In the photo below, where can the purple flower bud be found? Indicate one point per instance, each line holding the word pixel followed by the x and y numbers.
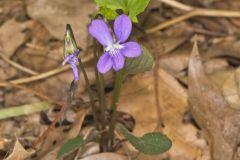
pixel 72 59
pixel 115 50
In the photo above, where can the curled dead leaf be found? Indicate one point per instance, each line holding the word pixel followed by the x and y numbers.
pixel 211 111
pixel 19 152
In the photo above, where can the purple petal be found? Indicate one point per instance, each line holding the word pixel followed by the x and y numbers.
pixel 75 71
pixel 131 49
pixel 118 61
pixel 99 30
pixel 67 59
pixel 105 63
pixel 122 28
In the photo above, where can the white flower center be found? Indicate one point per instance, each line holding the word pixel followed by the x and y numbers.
pixel 113 49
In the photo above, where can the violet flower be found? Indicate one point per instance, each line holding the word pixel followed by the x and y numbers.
pixel 72 59
pixel 116 49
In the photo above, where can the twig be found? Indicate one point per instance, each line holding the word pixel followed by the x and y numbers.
pixel 169 23
pixel 178 5
pixel 193 13
pixel 160 123
pixel 39 76
pixel 43 75
pixel 16 65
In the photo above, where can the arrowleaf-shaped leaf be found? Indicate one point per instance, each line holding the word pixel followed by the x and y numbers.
pixel 151 143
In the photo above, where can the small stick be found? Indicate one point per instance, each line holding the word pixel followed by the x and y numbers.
pixel 193 13
pixel 178 5
pixel 18 66
pixel 39 76
pixel 43 75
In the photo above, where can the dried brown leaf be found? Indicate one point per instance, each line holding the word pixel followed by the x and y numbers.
pixel 217 119
pixel 19 152
pixel 12 35
pixel 55 14
pixel 231 89
pixel 105 156
pixel 57 137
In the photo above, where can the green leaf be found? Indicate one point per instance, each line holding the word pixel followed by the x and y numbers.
pixel 151 143
pixel 130 7
pixel 139 64
pixel 108 13
pixel 136 7
pixel 70 146
pixel 113 4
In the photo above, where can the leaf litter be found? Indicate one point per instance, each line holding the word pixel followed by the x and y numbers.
pixel 199 97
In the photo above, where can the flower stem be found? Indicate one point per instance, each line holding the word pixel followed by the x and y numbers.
pixel 94 109
pixel 101 93
pixel 116 93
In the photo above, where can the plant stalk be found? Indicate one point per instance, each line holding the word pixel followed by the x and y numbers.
pixel 94 109
pixel 116 93
pixel 102 101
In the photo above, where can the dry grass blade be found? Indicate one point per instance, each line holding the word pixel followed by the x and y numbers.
pixel 24 109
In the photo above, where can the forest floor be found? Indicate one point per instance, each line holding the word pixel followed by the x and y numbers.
pixel 198 88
